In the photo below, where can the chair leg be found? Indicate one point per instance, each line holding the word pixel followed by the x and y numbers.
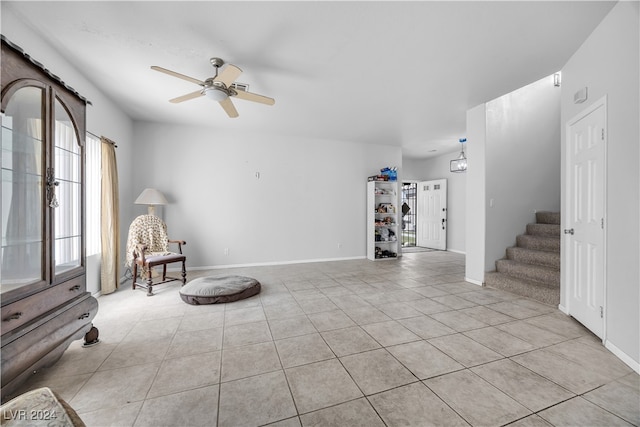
pixel 184 274
pixel 149 283
pixel 164 272
pixel 135 275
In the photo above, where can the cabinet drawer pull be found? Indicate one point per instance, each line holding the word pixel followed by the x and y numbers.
pixel 74 288
pixel 15 316
pixel 84 316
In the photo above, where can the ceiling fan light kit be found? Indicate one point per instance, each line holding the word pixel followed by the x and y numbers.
pixel 215 93
pixel 218 88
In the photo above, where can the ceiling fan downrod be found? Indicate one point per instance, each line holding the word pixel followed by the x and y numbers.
pixel 216 63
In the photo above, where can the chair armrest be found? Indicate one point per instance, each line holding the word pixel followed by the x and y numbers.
pixel 179 243
pixel 138 252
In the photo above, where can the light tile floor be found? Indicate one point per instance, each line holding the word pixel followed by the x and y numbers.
pixel 346 343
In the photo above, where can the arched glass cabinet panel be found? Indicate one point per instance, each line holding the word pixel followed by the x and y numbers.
pixel 66 193
pixel 22 189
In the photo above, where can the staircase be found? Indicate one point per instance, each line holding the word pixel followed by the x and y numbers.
pixel 532 267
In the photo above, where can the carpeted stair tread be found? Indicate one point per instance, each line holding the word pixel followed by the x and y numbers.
pixel 543 229
pixel 539 243
pixel 532 267
pixel 547 294
pixel 546 217
pixel 539 273
pixel 532 256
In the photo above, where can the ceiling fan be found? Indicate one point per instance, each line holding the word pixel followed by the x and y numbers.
pixel 219 87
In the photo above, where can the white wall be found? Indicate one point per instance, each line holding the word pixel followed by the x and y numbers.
pixel 438 168
pixel 522 168
pixel 607 63
pixel 475 200
pixel 103 117
pixel 309 202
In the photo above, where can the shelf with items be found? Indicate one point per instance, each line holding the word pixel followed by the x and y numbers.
pixel 382 220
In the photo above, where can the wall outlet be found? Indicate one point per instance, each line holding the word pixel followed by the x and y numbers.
pixel 226 251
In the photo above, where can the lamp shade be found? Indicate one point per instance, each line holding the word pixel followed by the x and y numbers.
pixel 151 196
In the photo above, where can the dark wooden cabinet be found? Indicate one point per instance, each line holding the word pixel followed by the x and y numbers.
pixel 44 302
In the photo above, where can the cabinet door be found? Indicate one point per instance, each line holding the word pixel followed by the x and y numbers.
pixel 23 244
pixel 65 195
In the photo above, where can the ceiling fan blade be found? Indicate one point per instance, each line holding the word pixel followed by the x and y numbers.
pixel 248 96
pixel 178 75
pixel 229 108
pixel 228 75
pixel 187 97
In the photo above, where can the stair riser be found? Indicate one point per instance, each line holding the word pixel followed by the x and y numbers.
pixel 529 272
pixel 543 230
pixel 538 292
pixel 538 243
pixel 544 217
pixel 548 259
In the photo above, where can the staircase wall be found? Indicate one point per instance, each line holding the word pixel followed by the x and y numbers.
pixel 522 162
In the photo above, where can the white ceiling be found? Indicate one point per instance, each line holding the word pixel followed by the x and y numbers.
pixel 401 73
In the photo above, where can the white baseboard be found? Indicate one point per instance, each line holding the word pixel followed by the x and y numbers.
pixel 628 360
pixel 455 251
pixel 475 282
pixel 563 309
pixel 266 264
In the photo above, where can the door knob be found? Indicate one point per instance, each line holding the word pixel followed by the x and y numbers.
pixel 568 231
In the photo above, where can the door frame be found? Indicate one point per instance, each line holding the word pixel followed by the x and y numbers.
pixel 565 285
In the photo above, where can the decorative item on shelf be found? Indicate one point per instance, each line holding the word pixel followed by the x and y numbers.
pixel 385 208
pixel 459 164
pixel 391 172
pixel 383 253
pixel 379 178
pixel 151 197
pixel 385 192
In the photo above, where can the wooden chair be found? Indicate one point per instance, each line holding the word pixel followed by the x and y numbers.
pixel 148 247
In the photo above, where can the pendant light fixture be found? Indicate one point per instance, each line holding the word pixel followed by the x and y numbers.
pixel 459 164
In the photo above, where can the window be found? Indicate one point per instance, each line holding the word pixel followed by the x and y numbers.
pixel 93 194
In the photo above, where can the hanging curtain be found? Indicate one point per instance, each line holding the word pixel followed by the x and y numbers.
pixel 110 219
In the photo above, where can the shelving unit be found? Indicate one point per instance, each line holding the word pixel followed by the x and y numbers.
pixel 383 231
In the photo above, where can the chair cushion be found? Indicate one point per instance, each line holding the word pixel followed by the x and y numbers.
pixel 162 259
pixel 219 289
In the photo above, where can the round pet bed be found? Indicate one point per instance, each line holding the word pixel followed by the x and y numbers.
pixel 218 289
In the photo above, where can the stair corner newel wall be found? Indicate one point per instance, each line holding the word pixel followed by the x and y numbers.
pixel 45 305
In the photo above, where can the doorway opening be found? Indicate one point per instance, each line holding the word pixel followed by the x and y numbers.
pixel 409 213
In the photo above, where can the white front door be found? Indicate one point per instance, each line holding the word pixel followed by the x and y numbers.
pixel 431 230
pixel 584 243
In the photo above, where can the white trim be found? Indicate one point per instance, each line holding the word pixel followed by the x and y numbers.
pixel 455 251
pixel 563 309
pixel 628 360
pixel 475 282
pixel 266 264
